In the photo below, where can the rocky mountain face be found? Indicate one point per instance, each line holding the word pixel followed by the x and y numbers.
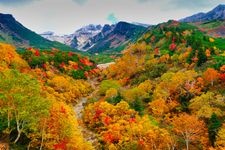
pixel 82 36
pixel 218 13
pixel 13 32
pixel 91 42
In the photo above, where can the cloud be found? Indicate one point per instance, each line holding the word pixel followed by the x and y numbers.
pixel 16 2
pixel 142 1
pixel 80 2
pixel 69 15
pixel 191 4
pixel 145 1
pixel 187 4
pixel 112 18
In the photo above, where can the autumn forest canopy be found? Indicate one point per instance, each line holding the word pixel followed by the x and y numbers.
pixel 165 91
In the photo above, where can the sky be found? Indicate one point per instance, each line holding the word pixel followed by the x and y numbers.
pixel 66 16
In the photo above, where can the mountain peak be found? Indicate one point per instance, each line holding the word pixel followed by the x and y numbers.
pixel 219 7
pixel 125 26
pixel 7 17
pixel 90 27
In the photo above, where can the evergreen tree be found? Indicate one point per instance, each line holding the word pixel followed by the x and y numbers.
pixel 138 106
pixel 201 57
pixel 213 127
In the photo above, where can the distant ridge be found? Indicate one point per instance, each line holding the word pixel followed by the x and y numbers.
pixel 218 13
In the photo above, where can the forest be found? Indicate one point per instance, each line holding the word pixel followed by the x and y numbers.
pixel 166 92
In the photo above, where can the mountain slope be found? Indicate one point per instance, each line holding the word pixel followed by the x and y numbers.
pixel 218 13
pixel 13 32
pixel 215 28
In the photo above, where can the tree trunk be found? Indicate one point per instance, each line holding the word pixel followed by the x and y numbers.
pixel 187 144
pixel 18 137
pixel 8 119
pixel 42 135
pixel 28 147
pixel 19 130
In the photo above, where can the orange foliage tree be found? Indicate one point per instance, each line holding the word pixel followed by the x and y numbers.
pixel 190 129
pixel 211 75
pixel 60 129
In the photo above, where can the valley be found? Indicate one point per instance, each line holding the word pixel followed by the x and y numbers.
pixel 119 86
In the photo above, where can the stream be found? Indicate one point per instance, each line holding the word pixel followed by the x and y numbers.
pixel 88 135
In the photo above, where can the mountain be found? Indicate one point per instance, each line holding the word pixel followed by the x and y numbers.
pixel 13 32
pixel 106 29
pixel 218 13
pixel 194 18
pixel 212 22
pixel 114 37
pixel 97 38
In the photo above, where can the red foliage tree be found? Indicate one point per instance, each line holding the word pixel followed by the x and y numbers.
pixel 86 62
pixel 61 145
pixel 62 65
pixel 172 46
pixel 222 77
pixel 37 53
pixel 107 120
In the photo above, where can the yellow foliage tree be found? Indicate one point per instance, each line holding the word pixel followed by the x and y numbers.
pixel 220 141
pixel 66 89
pixel 10 59
pixel 205 105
